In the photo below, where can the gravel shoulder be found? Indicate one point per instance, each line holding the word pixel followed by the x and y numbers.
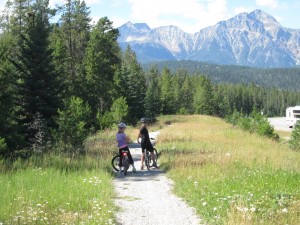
pixel 146 198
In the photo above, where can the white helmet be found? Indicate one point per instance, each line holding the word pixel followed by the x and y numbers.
pixel 121 125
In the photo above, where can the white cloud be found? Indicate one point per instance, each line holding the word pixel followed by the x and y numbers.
pixel 268 3
pixel 189 15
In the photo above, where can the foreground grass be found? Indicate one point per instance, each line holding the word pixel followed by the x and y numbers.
pixel 56 190
pixel 229 176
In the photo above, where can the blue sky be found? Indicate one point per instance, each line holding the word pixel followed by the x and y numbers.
pixel 189 15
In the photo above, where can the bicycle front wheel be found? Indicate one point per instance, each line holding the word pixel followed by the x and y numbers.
pixel 115 162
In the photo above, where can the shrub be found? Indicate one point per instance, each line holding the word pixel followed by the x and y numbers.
pixel 294 142
pixel 72 122
pixel 255 123
pixel 2 145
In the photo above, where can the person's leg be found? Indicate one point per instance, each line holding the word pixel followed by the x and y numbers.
pixel 131 160
pixel 120 162
pixel 142 159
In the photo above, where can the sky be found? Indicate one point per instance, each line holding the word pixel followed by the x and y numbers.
pixel 189 15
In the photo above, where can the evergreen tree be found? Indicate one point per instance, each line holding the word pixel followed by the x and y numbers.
pixel 7 92
pixel 203 98
pixel 186 96
pixel 39 86
pixel 167 98
pixel 101 62
pixel 73 35
pixel 131 83
pixel 152 98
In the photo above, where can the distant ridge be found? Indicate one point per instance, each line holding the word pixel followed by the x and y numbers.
pixel 253 39
pixel 279 78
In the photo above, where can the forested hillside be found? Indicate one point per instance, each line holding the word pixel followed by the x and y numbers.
pixel 280 78
pixel 60 82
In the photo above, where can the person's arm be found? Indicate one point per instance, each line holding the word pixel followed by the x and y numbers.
pixel 128 139
pixel 138 138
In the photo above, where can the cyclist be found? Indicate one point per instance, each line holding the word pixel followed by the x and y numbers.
pixel 122 140
pixel 145 143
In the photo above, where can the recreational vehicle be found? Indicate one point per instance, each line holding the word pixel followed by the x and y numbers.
pixel 292 115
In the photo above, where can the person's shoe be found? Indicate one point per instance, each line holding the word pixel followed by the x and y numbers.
pixel 142 167
pixel 134 169
pixel 155 165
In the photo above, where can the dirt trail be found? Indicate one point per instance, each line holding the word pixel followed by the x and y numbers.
pixel 146 198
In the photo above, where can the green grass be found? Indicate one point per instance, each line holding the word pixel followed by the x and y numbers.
pixel 231 176
pixel 54 189
pixel 49 196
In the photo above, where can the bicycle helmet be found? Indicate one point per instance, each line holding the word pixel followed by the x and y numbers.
pixel 143 120
pixel 121 125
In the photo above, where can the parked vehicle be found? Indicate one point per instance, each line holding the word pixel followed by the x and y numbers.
pixel 292 115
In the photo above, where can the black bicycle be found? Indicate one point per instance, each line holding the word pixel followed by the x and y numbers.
pixel 149 161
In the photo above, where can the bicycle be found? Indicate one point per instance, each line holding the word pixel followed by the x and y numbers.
pixel 116 160
pixel 149 161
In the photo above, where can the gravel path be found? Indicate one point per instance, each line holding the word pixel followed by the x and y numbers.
pixel 145 198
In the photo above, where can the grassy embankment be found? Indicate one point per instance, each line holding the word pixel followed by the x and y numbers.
pixel 230 176
pixel 57 190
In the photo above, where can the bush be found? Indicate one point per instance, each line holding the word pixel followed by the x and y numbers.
pixel 256 123
pixel 72 122
pixel 294 142
pixel 2 145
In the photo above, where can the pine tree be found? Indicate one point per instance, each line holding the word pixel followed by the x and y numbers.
pixel 73 35
pixel 101 62
pixel 39 86
pixel 167 95
pixel 131 83
pixel 152 98
pixel 203 98
pixel 7 92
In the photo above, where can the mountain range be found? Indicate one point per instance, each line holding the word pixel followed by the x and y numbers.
pixel 253 39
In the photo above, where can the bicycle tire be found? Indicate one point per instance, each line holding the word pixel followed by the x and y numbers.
pixel 151 161
pixel 125 164
pixel 115 162
pixel 147 159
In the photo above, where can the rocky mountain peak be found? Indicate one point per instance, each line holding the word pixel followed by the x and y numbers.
pixel 249 39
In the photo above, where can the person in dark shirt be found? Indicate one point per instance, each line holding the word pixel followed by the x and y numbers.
pixel 145 143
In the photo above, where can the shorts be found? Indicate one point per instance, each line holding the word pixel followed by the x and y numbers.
pixel 149 147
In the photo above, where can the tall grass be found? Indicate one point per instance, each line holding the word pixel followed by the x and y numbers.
pixel 230 176
pixel 55 189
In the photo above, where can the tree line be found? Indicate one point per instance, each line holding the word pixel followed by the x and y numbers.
pixel 280 78
pixel 61 81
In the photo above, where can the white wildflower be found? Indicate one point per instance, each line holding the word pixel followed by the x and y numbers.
pixel 284 210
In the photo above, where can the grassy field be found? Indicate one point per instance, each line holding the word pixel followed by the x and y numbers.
pixel 229 176
pixel 58 190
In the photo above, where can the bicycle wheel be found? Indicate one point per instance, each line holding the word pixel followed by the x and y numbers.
pixel 125 164
pixel 147 158
pixel 115 162
pixel 151 161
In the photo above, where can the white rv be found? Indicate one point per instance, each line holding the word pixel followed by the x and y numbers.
pixel 292 115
